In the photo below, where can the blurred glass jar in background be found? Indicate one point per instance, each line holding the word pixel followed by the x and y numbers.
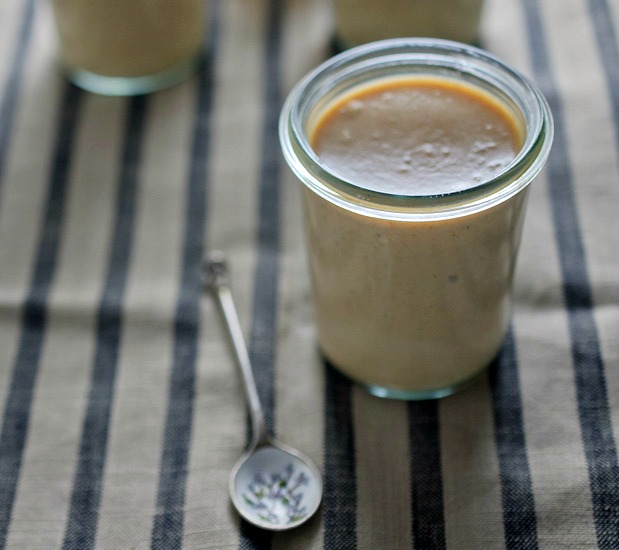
pixel 362 21
pixel 129 47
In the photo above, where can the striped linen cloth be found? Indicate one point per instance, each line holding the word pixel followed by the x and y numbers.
pixel 121 412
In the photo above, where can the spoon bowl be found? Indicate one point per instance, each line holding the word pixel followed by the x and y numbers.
pixel 272 485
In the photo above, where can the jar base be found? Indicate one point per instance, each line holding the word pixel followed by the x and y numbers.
pixel 422 395
pixel 338 45
pixel 133 85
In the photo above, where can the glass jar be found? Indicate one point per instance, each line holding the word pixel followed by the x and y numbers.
pixel 361 21
pixel 412 292
pixel 129 47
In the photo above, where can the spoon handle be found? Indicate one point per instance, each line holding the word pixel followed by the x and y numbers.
pixel 217 280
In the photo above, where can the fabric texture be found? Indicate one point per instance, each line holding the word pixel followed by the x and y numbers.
pixel 121 410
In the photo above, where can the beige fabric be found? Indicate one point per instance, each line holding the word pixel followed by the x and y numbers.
pixel 470 468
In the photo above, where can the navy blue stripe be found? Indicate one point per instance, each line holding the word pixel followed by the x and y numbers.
pixel 8 107
pixel 428 518
pixel 34 314
pixel 263 337
pixel 608 47
pixel 254 538
pixel 339 508
pixel 81 527
pixel 519 519
pixel 167 531
pixel 591 390
pixel 264 322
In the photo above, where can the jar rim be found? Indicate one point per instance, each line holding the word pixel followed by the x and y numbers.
pixel 408 56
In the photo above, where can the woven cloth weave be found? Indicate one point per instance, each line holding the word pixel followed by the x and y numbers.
pixel 121 413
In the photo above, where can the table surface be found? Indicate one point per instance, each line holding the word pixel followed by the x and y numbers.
pixel 121 410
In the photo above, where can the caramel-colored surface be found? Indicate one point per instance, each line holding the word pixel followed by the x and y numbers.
pixel 416 136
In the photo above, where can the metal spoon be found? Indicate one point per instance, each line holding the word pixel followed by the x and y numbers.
pixel 272 485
